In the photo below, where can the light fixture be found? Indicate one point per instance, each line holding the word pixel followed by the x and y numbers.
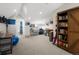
pixel 29 18
pixel 41 12
pixel 14 10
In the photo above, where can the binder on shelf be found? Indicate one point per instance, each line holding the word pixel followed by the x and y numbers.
pixel 63 17
pixel 63 24
pixel 60 18
pixel 62 37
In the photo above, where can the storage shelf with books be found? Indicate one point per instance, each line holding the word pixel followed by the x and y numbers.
pixel 63 20
pixel 62 30
pixel 67 36
pixel 64 41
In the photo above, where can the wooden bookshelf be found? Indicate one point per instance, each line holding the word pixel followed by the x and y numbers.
pixel 68 30
pixel 62 20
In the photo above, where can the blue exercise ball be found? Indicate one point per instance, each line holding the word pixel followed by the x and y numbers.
pixel 15 40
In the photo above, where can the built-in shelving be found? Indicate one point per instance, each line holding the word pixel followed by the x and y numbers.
pixel 62 30
pixel 68 30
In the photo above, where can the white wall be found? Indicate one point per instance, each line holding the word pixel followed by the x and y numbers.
pixel 62 8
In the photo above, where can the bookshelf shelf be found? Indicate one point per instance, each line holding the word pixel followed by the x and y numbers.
pixel 62 34
pixel 63 27
pixel 63 20
pixel 62 30
pixel 64 41
pixel 62 47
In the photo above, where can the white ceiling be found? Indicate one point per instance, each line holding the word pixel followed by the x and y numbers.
pixel 31 11
pixel 34 10
pixel 8 9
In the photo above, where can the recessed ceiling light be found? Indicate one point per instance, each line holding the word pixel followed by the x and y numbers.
pixel 14 10
pixel 29 18
pixel 41 12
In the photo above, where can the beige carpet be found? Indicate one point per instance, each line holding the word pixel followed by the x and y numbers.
pixel 37 45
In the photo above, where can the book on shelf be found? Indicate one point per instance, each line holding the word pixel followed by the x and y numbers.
pixel 62 31
pixel 63 17
pixel 60 18
pixel 62 37
pixel 63 24
pixel 65 45
pixel 60 43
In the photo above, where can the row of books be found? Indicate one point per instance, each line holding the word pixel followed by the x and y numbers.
pixel 62 31
pixel 63 17
pixel 63 44
pixel 62 37
pixel 63 24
